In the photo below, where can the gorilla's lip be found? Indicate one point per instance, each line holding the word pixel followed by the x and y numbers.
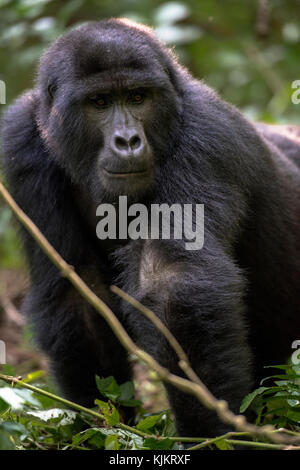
pixel 124 174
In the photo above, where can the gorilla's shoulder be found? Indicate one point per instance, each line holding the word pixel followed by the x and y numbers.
pixel 19 131
pixel 285 137
pixel 19 122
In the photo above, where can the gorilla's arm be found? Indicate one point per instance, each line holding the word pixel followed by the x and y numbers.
pixel 63 321
pixel 201 301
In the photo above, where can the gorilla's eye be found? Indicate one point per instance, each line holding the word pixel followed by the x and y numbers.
pixel 100 101
pixel 137 96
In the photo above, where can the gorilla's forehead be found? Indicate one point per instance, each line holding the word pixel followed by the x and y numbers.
pixel 105 55
pixel 117 55
pixel 118 66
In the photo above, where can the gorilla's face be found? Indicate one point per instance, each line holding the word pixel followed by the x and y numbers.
pixel 108 110
pixel 125 156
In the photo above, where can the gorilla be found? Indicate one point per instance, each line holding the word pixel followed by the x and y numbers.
pixel 113 114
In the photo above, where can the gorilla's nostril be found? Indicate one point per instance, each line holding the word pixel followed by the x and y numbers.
pixel 135 142
pixel 121 143
pixel 129 143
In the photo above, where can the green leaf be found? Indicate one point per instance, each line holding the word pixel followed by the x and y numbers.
pixel 127 395
pixel 9 395
pixel 10 433
pixel 33 376
pixel 55 415
pixel 294 415
pixel 272 390
pixel 6 442
pixel 223 445
pixel 250 397
pixel 148 422
pixel 4 406
pixel 127 391
pixel 112 443
pixel 126 438
pixel 280 366
pixel 108 387
pixel 27 395
pixel 109 411
pixel 132 403
pixel 6 369
pixel 84 436
pixel 281 383
pixel 155 444
pixel 280 376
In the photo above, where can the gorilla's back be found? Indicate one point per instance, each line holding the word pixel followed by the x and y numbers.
pixel 285 138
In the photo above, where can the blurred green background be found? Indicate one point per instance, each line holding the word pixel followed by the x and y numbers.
pixel 249 51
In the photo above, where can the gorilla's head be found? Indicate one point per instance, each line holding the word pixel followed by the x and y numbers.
pixel 109 106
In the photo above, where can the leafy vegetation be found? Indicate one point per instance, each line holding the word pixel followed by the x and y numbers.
pixel 36 418
pixel 278 403
pixel 41 420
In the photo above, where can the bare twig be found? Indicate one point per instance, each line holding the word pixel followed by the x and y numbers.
pixel 15 380
pixel 12 313
pixel 262 24
pixel 184 363
pixel 259 60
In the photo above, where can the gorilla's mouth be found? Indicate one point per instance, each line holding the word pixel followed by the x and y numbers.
pixel 125 174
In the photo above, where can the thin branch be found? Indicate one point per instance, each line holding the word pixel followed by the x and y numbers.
pixel 204 442
pixel 14 380
pixel 184 363
pixel 17 381
pixel 259 60
pixel 262 24
pixel 13 315
pixel 227 437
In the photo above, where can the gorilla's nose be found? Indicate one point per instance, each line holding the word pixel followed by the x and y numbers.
pixel 128 143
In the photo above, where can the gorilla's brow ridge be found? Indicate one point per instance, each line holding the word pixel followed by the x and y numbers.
pixel 105 82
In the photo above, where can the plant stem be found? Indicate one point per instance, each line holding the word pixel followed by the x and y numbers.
pixel 14 380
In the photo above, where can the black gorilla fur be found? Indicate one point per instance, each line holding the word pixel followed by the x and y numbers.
pixel 234 305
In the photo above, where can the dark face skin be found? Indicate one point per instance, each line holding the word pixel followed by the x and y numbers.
pixel 125 158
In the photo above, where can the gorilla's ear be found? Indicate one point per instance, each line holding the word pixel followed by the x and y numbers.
pixel 51 90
